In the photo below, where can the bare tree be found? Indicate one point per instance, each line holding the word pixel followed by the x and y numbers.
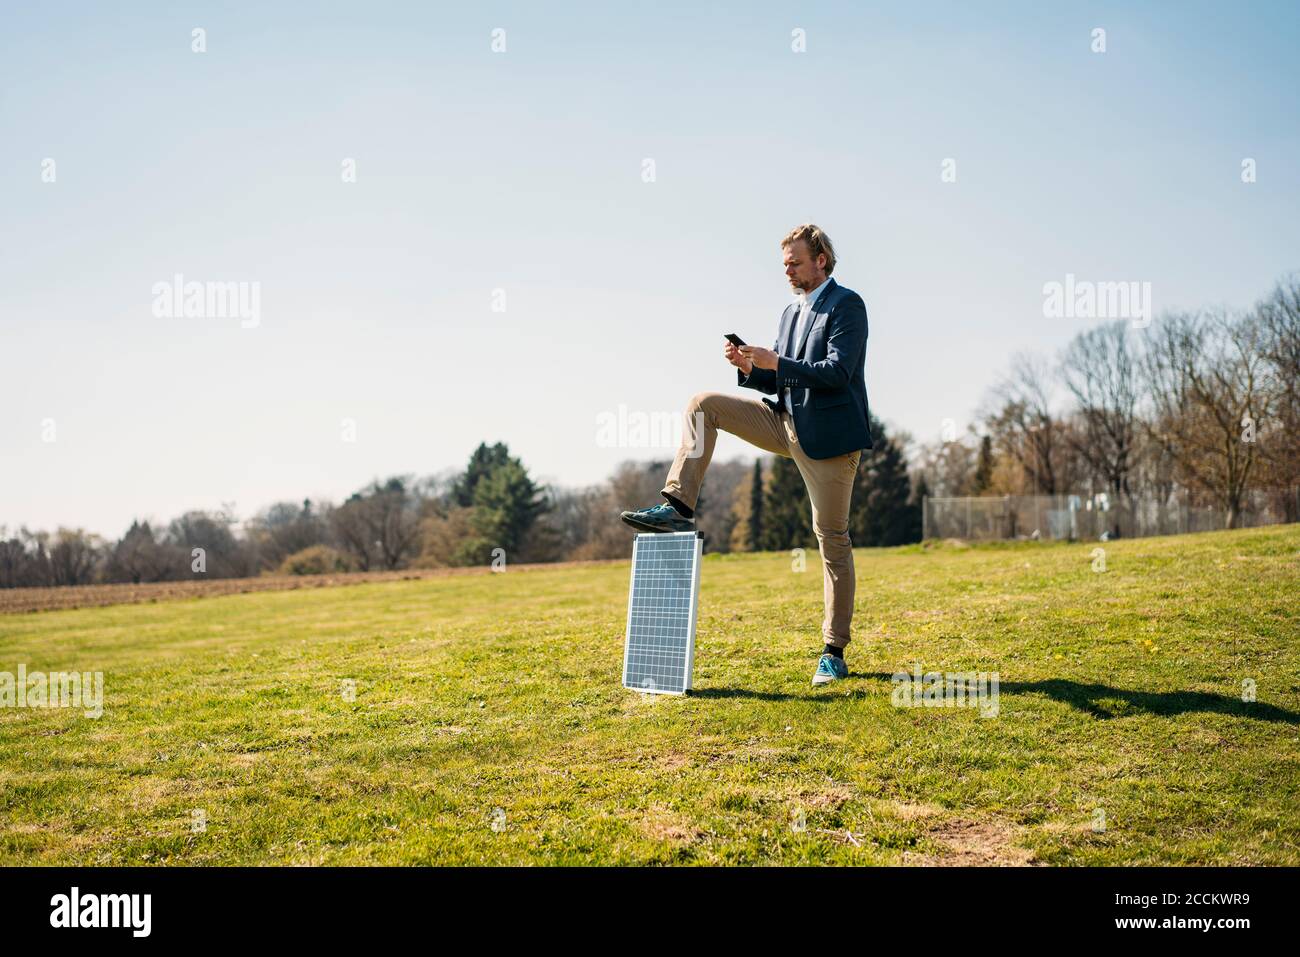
pixel 1208 393
pixel 74 556
pixel 286 528
pixel 443 529
pixel 379 525
pixel 574 519
pixel 140 557
pixel 1019 417
pixel 947 467
pixel 351 530
pixel 13 561
pixel 223 555
pixel 1279 317
pixel 715 517
pixel 632 484
pixel 25 559
pixel 1100 370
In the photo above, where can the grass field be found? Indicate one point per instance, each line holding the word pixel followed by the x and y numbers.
pixel 489 727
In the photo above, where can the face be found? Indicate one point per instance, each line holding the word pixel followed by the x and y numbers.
pixel 803 271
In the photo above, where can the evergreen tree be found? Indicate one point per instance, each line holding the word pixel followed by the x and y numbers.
pixel 506 503
pixel 984 469
pixel 482 462
pixel 919 495
pixel 882 511
pixel 754 532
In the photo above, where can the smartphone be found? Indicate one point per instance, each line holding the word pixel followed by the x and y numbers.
pixel 734 339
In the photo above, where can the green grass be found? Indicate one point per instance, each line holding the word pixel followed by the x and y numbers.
pixel 1120 691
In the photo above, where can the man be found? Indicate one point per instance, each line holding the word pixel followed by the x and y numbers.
pixel 819 419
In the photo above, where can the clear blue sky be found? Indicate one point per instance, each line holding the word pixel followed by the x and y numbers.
pixel 522 171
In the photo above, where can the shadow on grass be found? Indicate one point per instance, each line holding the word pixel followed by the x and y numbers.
pixel 750 693
pixel 1103 701
pixel 833 692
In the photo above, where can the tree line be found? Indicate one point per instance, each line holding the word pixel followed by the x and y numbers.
pixel 1202 405
pixel 491 510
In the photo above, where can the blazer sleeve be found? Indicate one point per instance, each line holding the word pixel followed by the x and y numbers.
pixel 764 380
pixel 845 343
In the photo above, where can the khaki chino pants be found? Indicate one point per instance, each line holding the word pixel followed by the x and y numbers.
pixel 829 483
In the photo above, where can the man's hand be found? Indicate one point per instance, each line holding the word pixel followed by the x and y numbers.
pixel 733 356
pixel 760 357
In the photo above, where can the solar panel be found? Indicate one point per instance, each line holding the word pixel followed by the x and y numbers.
pixel 659 647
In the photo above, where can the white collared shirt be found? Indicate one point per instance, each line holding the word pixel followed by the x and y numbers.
pixel 806 301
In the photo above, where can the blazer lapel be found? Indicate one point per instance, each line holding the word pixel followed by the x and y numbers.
pixel 812 317
pixel 786 332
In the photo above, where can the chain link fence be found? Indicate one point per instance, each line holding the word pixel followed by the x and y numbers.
pixel 1094 517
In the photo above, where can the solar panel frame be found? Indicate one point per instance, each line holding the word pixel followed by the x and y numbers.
pixel 631 638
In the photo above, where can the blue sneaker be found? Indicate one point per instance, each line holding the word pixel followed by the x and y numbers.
pixel 659 518
pixel 829 668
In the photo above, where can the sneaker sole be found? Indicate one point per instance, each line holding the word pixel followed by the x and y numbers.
pixel 824 680
pixel 646 527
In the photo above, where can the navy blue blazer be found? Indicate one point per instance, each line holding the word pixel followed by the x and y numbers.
pixel 825 373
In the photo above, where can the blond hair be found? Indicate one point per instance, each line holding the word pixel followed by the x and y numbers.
pixel 818 243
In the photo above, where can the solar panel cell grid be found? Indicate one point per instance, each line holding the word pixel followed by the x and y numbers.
pixel 660 642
